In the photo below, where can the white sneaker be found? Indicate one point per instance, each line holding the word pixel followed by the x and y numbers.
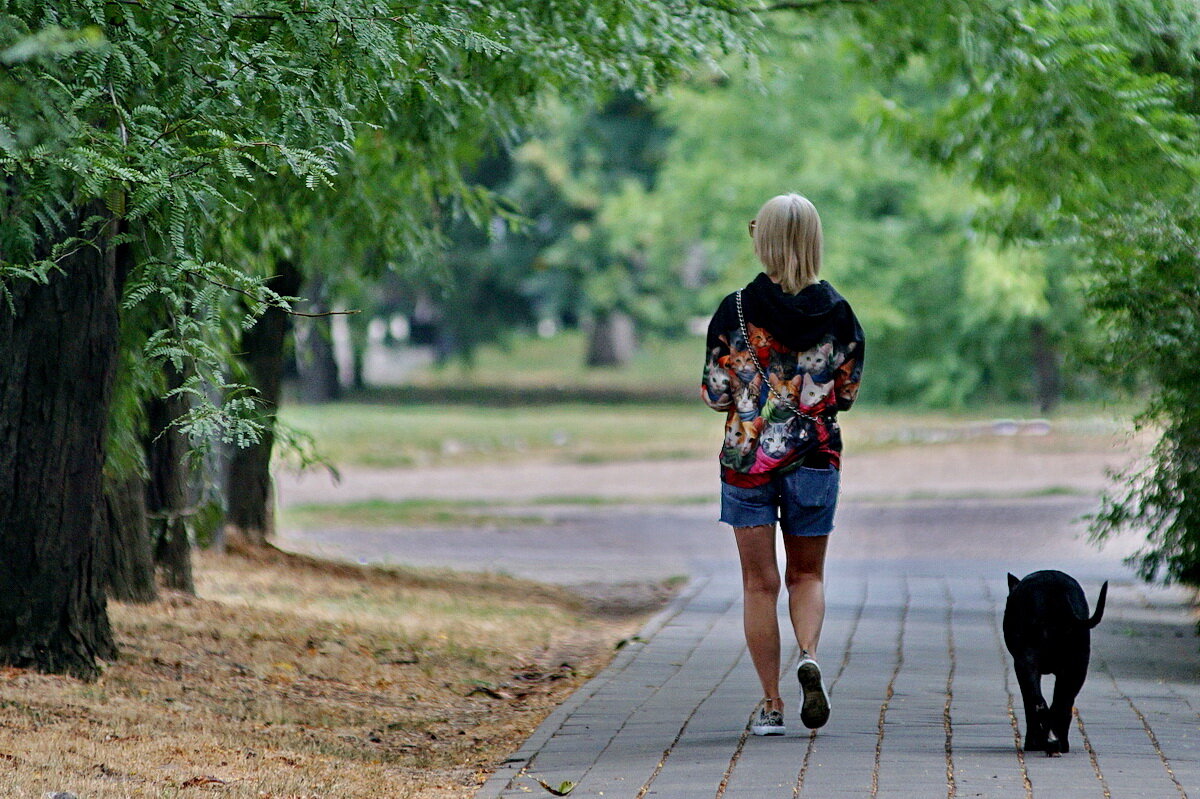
pixel 767 722
pixel 814 699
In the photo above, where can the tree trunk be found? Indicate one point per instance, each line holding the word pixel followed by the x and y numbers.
pixel 612 341
pixel 248 488
pixel 58 355
pixel 314 350
pixel 167 487
pixel 125 541
pixel 1047 377
pixel 359 341
pixel 123 535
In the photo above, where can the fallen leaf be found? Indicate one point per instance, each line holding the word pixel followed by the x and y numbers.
pixel 563 789
pixel 203 780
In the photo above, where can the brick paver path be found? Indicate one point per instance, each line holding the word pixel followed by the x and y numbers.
pixel 924 701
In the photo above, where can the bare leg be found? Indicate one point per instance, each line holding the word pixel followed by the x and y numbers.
pixel 805 578
pixel 760 591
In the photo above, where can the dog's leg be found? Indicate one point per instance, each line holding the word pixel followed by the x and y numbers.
pixel 1066 688
pixel 1055 745
pixel 1035 704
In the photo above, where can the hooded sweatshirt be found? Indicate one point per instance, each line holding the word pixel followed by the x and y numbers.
pixel 811 348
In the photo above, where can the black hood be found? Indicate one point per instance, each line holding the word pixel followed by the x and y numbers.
pixel 798 320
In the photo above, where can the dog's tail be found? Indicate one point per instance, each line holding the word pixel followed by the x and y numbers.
pixel 1099 614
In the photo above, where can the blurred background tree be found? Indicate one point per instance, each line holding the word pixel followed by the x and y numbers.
pixel 637 222
pixel 1083 118
pixel 953 313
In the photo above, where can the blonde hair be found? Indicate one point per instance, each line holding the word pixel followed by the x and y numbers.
pixel 787 239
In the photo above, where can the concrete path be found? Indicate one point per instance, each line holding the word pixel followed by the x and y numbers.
pixel 579 545
pixel 924 702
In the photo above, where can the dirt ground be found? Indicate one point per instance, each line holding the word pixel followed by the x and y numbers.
pixel 293 679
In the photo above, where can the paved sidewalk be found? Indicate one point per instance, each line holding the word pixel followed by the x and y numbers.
pixel 924 701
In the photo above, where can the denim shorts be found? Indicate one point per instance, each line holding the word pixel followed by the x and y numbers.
pixel 802 501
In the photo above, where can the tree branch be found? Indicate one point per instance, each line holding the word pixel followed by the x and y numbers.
pixel 808 5
pixel 251 295
pixel 299 12
pixel 781 5
pixel 290 312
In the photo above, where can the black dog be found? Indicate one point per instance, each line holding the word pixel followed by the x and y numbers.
pixel 1047 631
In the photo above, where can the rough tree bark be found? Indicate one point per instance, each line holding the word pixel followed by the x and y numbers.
pixel 128 562
pixel 612 341
pixel 1047 377
pixel 249 492
pixel 359 341
pixel 123 535
pixel 58 355
pixel 167 487
pixel 314 350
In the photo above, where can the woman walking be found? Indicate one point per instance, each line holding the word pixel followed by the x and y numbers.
pixel 785 354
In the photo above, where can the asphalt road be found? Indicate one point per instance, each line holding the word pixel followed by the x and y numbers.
pixel 632 543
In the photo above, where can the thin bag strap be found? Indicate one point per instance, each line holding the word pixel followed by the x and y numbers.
pixel 782 400
pixel 754 357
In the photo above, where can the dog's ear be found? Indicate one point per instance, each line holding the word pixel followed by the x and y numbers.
pixel 1012 582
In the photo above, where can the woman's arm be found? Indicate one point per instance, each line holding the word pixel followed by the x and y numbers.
pixel 718 384
pixel 849 372
pixel 845 383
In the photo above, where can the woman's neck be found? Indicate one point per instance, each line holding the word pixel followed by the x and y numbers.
pixel 775 279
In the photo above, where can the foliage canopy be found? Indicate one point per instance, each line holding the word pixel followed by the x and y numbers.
pixel 174 118
pixel 1085 114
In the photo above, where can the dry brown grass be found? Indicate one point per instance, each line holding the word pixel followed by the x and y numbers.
pixel 290 677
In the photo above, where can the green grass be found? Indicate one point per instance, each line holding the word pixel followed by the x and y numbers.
pixel 402 513
pixel 388 435
pixel 599 501
pixel 1035 493
pixel 380 435
pixel 474 513
pixel 535 400
pixel 669 368
pixel 448 513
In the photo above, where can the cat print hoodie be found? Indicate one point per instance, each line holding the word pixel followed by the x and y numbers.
pixel 811 347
